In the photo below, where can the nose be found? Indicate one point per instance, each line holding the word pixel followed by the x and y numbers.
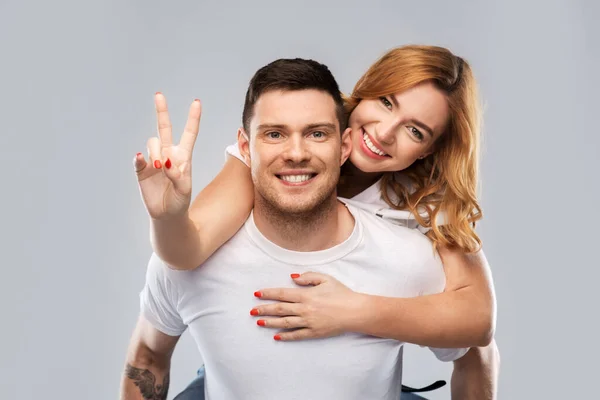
pixel 296 149
pixel 385 131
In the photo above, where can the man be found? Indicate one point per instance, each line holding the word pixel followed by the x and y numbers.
pixel 293 119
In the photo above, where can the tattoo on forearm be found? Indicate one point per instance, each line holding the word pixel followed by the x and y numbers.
pixel 146 382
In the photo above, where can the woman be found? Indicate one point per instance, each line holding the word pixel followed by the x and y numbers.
pixel 415 121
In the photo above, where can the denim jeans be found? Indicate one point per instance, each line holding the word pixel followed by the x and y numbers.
pixel 195 390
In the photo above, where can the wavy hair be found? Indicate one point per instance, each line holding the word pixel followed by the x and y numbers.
pixel 447 179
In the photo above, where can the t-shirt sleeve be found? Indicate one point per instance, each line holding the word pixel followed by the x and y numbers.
pixel 158 299
pixel 234 150
pixel 448 354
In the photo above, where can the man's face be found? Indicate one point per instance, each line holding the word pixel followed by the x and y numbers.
pixel 295 149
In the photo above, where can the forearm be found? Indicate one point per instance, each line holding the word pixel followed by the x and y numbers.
pixel 145 380
pixel 215 215
pixel 475 375
pixel 448 320
pixel 177 242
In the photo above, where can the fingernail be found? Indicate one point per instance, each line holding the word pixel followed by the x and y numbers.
pixel 158 93
pixel 254 311
pixel 157 164
pixel 138 154
pixel 261 322
pixel 294 276
pixel 168 163
pixel 198 100
pixel 277 337
pixel 258 294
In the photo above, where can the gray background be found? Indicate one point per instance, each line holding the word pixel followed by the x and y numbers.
pixel 76 87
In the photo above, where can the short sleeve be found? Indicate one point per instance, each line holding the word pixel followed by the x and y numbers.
pixel 447 355
pixel 158 299
pixel 234 150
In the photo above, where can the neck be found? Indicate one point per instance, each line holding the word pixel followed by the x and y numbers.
pixel 353 180
pixel 318 229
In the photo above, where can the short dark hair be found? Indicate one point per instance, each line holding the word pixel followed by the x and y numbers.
pixel 293 74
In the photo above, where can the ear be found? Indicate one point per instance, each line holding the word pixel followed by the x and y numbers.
pixel 346 145
pixel 244 145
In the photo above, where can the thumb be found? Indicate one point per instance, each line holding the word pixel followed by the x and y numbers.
pixel 309 278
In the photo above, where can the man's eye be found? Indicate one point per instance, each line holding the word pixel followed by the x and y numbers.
pixel 274 135
pixel 386 102
pixel 319 134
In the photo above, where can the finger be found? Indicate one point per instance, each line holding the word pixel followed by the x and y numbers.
pixel 171 170
pixel 280 294
pixel 163 120
pixel 192 126
pixel 298 334
pixel 139 163
pixel 277 309
pixel 282 323
pixel 310 278
pixel 154 152
pixel 174 173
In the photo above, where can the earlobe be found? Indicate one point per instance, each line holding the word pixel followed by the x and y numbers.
pixel 346 145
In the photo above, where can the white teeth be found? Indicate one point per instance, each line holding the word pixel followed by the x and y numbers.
pixel 371 146
pixel 295 178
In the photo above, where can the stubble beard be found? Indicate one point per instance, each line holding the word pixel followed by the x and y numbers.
pixel 295 220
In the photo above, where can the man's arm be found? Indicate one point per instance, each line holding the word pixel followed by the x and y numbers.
pixel 475 375
pixel 148 363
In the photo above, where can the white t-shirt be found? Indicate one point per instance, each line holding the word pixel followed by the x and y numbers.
pixel 244 362
pixel 370 200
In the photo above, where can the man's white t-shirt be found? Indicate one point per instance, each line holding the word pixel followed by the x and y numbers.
pixel 243 361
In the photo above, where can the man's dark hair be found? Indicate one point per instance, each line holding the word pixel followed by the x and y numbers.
pixel 293 74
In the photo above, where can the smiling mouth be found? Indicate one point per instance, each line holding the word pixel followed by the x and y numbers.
pixel 296 178
pixel 372 147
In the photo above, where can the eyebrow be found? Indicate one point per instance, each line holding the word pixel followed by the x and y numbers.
pixel 422 126
pixel 414 121
pixel 322 125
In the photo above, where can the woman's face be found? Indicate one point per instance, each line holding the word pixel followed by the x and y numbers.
pixel 390 133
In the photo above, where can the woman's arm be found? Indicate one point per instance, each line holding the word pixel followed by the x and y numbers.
pixel 214 216
pixel 464 315
pixel 461 316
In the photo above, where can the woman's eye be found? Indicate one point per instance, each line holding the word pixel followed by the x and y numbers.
pixel 416 133
pixel 386 102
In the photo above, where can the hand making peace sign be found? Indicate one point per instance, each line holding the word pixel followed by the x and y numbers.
pixel 166 182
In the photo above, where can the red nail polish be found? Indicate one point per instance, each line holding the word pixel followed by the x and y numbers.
pixel 168 163
pixel 138 154
pixel 261 322
pixel 294 276
pixel 258 294
pixel 254 311
pixel 157 164
pixel 277 337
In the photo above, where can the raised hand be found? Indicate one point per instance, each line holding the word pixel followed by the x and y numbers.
pixel 166 181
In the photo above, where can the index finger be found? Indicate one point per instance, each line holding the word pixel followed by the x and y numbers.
pixel 280 294
pixel 163 120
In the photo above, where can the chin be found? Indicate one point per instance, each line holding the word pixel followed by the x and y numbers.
pixel 294 207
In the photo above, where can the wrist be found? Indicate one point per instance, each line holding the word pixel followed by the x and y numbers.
pixel 172 219
pixel 360 312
